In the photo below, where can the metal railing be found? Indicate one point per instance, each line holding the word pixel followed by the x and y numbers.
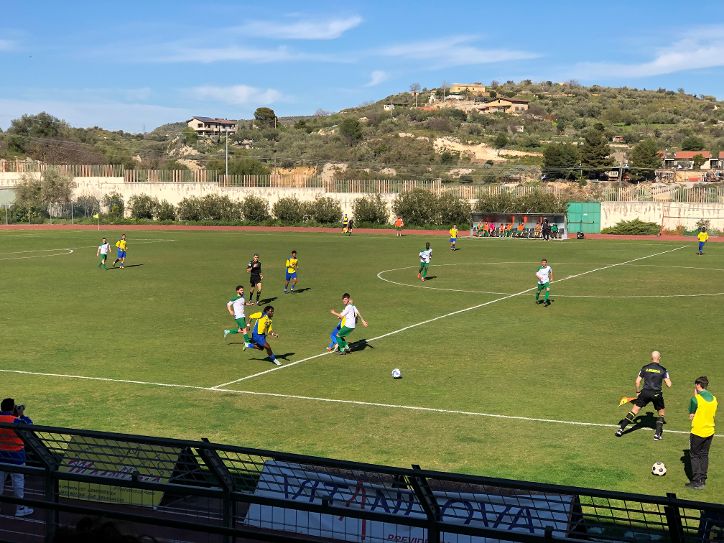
pixel 201 491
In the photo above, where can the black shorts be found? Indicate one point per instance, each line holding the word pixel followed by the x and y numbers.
pixel 254 279
pixel 646 396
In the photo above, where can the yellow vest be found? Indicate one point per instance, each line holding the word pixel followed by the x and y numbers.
pixel 702 424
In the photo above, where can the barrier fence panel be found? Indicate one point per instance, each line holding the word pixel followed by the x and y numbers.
pixel 198 491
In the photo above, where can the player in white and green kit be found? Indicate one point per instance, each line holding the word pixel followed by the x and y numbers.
pixel 235 307
pixel 425 257
pixel 102 253
pixel 544 274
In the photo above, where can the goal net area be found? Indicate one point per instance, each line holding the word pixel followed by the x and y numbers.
pixel 519 225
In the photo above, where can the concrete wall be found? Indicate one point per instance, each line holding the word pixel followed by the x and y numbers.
pixel 668 214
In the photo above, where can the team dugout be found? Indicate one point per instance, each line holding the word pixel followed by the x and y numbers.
pixel 519 225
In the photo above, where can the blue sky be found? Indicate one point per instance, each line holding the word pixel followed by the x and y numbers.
pixel 135 65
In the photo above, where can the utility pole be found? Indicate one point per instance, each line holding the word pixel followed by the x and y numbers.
pixel 226 159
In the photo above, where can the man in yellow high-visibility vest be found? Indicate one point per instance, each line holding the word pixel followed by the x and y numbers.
pixel 702 412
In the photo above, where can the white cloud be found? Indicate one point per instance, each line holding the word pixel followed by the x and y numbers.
pixel 302 29
pixel 226 53
pixel 377 77
pixel 699 48
pixel 236 94
pixel 113 115
pixel 453 51
pixel 7 45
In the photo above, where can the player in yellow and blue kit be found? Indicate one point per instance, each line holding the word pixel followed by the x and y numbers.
pixel 291 274
pixel 121 246
pixel 702 236
pixel 262 327
pixel 453 237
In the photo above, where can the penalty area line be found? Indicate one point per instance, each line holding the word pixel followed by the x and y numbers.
pixel 382 405
pixel 452 313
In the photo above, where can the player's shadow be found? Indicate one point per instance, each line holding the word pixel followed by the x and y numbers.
pixel 360 345
pixel 128 266
pixel 643 421
pixel 284 356
pixel 686 460
pixel 300 290
pixel 430 277
pixel 267 300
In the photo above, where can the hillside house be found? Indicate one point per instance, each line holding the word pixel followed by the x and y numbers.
pixel 208 126
pixel 504 105
pixel 476 89
pixel 684 160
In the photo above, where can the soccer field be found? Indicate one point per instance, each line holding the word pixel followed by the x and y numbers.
pixel 492 383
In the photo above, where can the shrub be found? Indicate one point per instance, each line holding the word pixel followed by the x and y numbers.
pixel 115 205
pixel 218 208
pixel 288 210
pixel 370 210
pixel 417 207
pixel 143 206
pixel 189 209
pixel 452 210
pixel 86 206
pixel 634 227
pixel 503 202
pixel 325 210
pixel 165 211
pixel 255 209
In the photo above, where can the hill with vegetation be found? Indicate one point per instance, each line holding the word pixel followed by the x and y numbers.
pixel 569 130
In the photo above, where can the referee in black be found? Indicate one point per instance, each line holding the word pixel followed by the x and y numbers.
pixel 652 375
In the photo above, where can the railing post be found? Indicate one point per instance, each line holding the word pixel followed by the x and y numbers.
pixel 216 465
pixel 673 519
pixel 428 503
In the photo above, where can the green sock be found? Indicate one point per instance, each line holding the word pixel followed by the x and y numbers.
pixel 233 331
pixel 547 293
pixel 247 339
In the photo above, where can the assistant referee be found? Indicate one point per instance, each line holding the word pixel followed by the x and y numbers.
pixel 652 375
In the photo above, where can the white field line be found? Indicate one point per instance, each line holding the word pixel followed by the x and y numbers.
pixel 452 313
pixel 55 252
pixel 68 251
pixel 684 267
pixel 419 409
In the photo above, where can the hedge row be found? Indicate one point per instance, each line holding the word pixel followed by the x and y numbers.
pixel 418 207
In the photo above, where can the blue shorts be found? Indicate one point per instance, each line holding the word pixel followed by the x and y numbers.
pixel 121 254
pixel 291 276
pixel 453 240
pixel 701 245
pixel 257 339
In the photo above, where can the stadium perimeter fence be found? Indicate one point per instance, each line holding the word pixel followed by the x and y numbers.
pixel 198 491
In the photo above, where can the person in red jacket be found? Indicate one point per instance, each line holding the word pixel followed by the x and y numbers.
pixel 12 451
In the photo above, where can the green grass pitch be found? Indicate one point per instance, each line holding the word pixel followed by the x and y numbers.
pixel 501 389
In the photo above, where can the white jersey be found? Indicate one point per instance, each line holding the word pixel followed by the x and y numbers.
pixel 544 274
pixel 349 316
pixel 238 305
pixel 104 248
pixel 426 255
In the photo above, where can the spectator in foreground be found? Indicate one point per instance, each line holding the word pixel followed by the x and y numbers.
pixel 12 451
pixel 702 413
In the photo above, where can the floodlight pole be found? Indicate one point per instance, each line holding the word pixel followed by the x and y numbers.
pixel 226 158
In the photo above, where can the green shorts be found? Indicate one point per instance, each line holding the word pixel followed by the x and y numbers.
pixel 344 331
pixel 543 286
pixel 424 265
pixel 241 322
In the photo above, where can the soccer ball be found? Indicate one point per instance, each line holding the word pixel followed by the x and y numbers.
pixel 658 469
pixel 396 374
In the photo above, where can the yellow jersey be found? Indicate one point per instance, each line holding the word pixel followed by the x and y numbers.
pixel 263 326
pixel 453 232
pixel 291 265
pixel 121 244
pixel 703 406
pixel 702 236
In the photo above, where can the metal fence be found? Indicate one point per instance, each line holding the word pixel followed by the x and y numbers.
pixel 197 491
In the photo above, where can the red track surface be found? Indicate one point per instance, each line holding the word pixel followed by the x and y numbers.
pixel 390 231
